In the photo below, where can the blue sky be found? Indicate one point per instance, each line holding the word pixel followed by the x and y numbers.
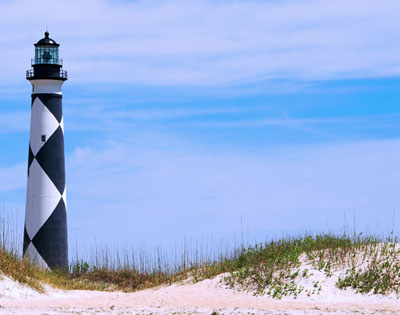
pixel 184 119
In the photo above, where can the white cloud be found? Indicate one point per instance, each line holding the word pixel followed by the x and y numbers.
pixel 206 42
pixel 366 122
pixel 159 190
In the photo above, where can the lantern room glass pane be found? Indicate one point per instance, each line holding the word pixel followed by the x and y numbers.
pixel 46 55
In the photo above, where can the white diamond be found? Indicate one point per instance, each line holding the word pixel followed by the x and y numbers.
pixel 43 123
pixel 62 124
pixel 35 257
pixel 43 199
pixel 64 197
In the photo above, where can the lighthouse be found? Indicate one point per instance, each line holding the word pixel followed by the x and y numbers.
pixel 45 232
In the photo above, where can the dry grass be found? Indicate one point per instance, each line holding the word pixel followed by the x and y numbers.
pixel 268 268
pixel 20 270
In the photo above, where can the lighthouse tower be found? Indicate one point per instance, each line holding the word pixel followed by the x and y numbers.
pixel 45 234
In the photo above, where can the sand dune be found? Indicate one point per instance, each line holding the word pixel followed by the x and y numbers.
pixel 203 297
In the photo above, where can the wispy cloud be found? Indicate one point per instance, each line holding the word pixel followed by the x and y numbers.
pixel 245 117
pixel 167 189
pixel 182 190
pixel 206 42
pixel 374 121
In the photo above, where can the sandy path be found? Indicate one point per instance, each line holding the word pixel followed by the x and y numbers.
pixel 176 311
pixel 200 298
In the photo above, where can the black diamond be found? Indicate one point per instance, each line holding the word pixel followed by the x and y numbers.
pixel 27 241
pixel 53 102
pixel 34 96
pixel 51 158
pixel 51 240
pixel 30 158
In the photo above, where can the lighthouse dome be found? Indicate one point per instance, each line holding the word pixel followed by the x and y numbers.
pixel 47 41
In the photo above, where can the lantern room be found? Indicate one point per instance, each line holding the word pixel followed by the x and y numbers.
pixel 47 63
pixel 46 51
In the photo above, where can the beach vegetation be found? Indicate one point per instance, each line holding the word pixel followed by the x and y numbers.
pixel 276 268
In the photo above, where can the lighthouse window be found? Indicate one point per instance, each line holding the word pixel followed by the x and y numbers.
pixel 43 138
pixel 46 55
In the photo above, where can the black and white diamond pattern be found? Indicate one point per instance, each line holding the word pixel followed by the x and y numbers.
pixel 45 235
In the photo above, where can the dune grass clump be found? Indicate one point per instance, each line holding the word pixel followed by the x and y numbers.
pixel 24 272
pixel 124 279
pixel 378 272
pixel 113 268
pixel 272 268
pixel 12 266
pixel 268 266
pixel 275 268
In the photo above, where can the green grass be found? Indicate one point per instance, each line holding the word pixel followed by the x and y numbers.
pixel 366 264
pixel 378 272
pixel 369 265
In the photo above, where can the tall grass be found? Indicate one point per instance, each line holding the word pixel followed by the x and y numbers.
pixel 130 268
pixel 367 264
pixel 10 230
pixel 182 256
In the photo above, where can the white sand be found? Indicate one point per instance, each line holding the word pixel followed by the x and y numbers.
pixel 200 298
